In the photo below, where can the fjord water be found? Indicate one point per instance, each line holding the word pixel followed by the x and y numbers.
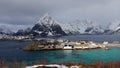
pixel 10 50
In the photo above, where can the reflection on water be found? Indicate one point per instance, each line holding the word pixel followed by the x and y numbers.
pixel 67 52
pixel 75 55
pixel 63 54
pixel 59 56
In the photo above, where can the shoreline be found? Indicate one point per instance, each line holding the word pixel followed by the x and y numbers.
pixel 113 45
pixel 79 65
pixel 55 45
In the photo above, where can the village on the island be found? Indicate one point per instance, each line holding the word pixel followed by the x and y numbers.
pixel 61 44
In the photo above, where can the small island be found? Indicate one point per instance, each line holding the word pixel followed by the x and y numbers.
pixel 60 44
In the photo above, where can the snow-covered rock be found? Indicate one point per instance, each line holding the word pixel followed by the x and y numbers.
pixel 47 26
pixel 52 65
pixel 5 30
pixel 78 26
pixel 114 28
pixel 114 25
pixel 82 27
pixel 94 30
pixel 23 32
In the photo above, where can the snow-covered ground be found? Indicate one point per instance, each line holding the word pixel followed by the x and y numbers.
pixel 52 65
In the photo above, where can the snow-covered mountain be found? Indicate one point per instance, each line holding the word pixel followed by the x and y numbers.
pixel 82 27
pixel 47 26
pixel 26 31
pixel 5 30
pixel 114 28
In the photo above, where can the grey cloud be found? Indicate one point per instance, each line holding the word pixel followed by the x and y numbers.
pixel 27 12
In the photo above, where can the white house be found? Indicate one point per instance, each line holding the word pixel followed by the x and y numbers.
pixel 67 46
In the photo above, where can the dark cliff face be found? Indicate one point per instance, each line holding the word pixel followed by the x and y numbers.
pixel 22 32
pixel 57 30
pixel 44 30
pixel 47 26
pixel 117 32
pixel 38 27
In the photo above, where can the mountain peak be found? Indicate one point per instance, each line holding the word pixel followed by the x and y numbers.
pixel 48 26
pixel 47 19
pixel 46 15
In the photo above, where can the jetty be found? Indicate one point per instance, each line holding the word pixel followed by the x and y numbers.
pixel 113 44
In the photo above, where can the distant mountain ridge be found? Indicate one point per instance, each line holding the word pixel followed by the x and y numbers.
pixel 5 31
pixel 21 32
pixel 114 28
pixel 48 26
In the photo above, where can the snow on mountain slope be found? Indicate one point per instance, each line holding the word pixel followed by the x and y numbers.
pixel 50 26
pixel 47 20
pixel 114 27
pixel 82 27
pixel 95 30
pixel 47 26
pixel 76 26
pixel 26 31
pixel 5 30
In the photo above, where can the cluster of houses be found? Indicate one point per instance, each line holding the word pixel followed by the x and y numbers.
pixel 67 44
pixel 10 37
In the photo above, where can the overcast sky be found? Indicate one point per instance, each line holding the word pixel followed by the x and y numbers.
pixel 17 14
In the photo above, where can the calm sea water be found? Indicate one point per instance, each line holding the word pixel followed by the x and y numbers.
pixel 10 50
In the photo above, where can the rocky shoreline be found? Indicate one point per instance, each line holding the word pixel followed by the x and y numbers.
pixel 63 45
